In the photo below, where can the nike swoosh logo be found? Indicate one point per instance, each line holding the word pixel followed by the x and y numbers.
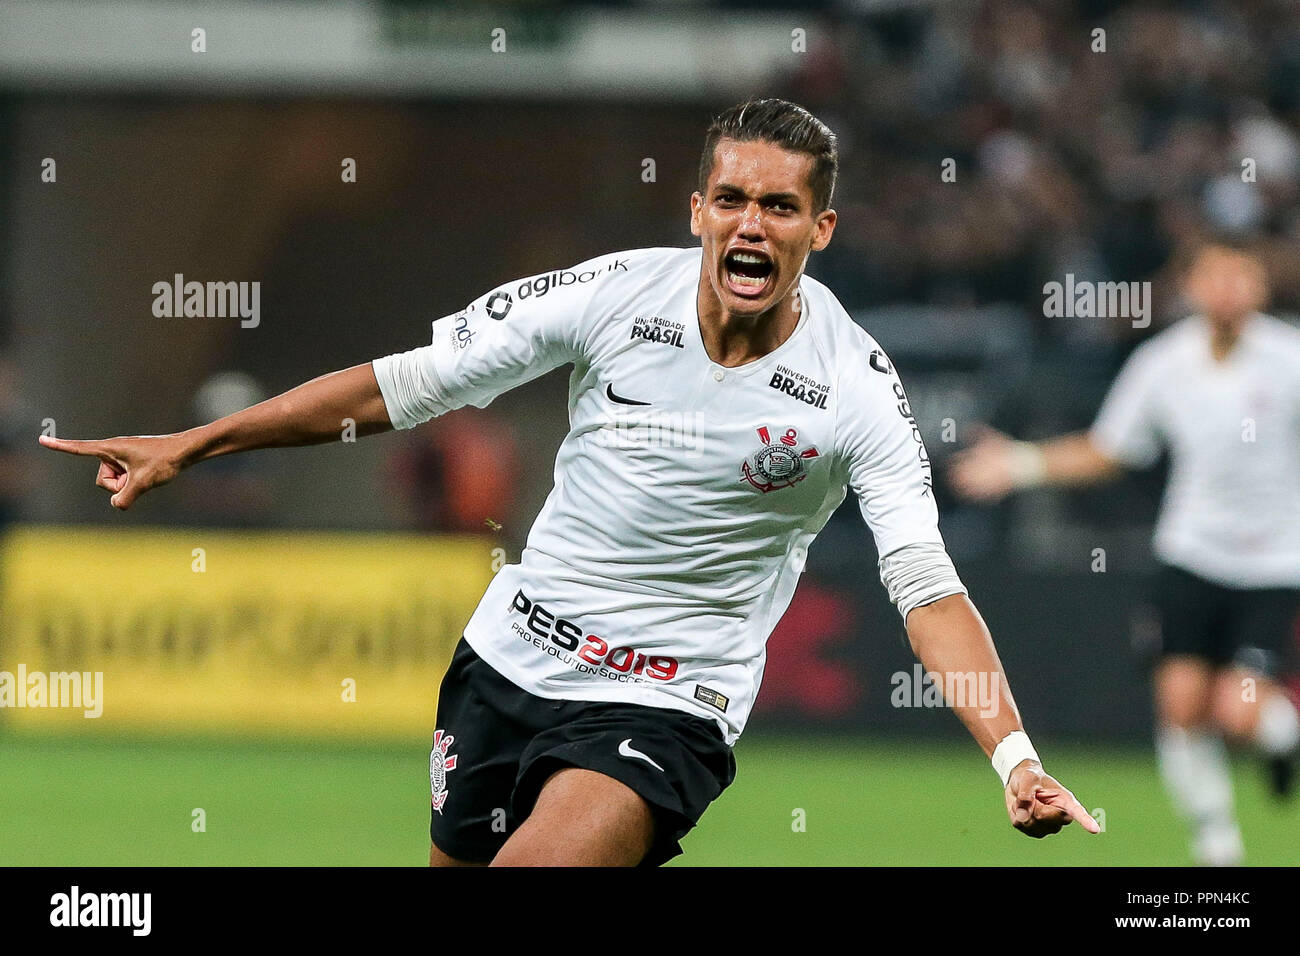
pixel 609 390
pixel 625 750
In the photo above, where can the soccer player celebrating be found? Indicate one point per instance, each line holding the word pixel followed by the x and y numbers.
pixel 1221 391
pixel 721 404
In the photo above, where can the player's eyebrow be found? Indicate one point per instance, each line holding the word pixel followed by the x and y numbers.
pixel 792 198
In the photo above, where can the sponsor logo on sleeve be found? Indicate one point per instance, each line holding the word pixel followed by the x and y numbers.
pixel 905 410
pixel 462 336
pixel 498 304
pixel 539 286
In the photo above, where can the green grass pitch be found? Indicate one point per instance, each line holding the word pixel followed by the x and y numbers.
pixel 96 800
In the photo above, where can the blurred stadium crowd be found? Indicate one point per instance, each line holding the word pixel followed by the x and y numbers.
pixel 1109 165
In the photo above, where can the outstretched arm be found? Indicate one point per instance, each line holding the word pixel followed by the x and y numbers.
pixel 995 465
pixel 310 414
pixel 954 645
pixel 1127 433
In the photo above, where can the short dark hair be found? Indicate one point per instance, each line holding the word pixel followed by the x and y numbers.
pixel 783 124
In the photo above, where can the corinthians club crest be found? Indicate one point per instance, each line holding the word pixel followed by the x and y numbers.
pixel 779 464
pixel 439 763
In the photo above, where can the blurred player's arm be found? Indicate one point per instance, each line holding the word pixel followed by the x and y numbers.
pixel 313 413
pixel 996 465
pixel 1125 434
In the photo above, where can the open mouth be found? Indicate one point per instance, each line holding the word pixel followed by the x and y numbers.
pixel 747 272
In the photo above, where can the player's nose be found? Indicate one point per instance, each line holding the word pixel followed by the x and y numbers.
pixel 751 222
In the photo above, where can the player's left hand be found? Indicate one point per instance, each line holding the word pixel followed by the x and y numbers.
pixel 1039 806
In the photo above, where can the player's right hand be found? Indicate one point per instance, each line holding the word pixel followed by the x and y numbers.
pixel 983 471
pixel 128 466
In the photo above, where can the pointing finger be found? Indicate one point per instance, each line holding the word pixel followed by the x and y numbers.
pixel 1075 809
pixel 72 446
pixel 1064 801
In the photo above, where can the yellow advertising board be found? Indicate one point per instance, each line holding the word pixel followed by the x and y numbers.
pixel 203 630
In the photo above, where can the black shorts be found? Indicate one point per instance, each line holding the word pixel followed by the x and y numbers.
pixel 1250 628
pixel 495 745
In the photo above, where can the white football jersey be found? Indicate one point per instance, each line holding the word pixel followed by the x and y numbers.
pixel 1231 509
pixel 686 494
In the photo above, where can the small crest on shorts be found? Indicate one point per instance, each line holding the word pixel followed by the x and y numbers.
pixel 439 763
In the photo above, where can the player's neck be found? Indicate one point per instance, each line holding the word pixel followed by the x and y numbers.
pixel 1223 339
pixel 732 340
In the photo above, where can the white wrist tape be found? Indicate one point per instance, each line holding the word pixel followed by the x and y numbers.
pixel 1028 466
pixel 1010 751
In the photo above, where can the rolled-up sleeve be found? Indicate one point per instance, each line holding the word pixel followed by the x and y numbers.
pixel 408 381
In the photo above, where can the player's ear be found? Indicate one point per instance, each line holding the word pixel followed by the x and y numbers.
pixel 824 229
pixel 697 204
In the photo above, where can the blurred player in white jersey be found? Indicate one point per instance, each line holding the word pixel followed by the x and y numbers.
pixel 591 707
pixel 1220 390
